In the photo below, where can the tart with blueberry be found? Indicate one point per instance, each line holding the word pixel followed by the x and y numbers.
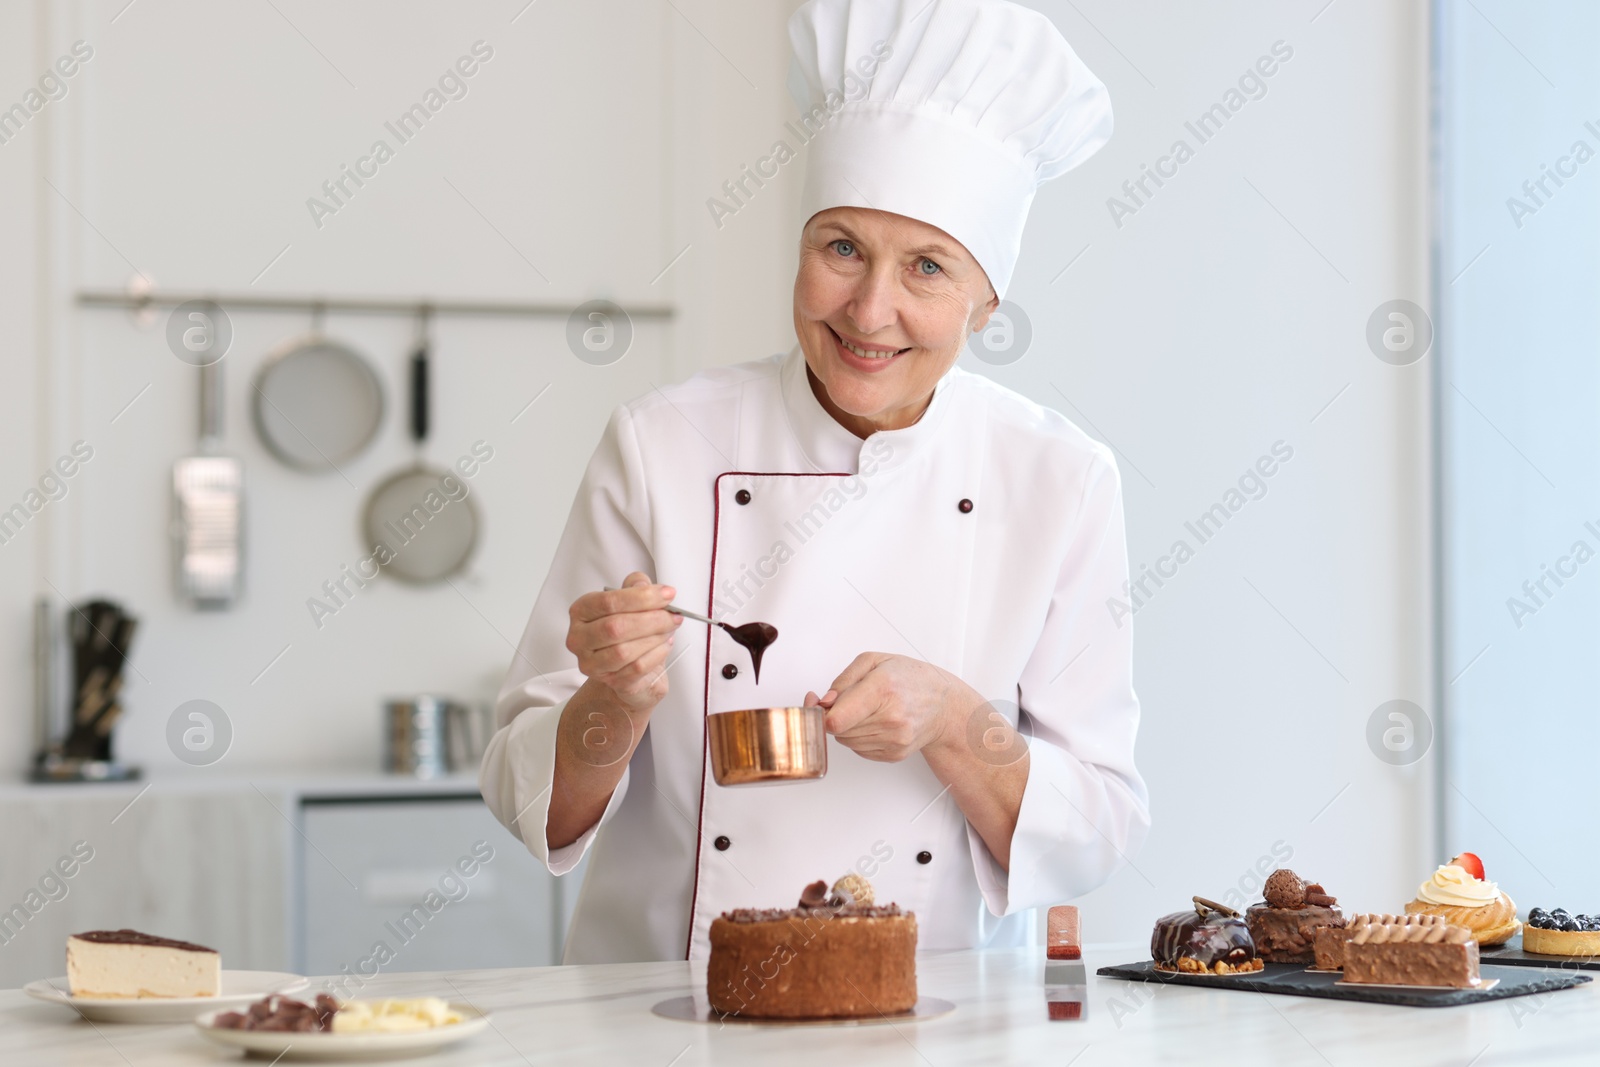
pixel 1556 933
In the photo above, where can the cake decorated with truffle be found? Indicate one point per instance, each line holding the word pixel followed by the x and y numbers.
pixel 1284 926
pixel 1210 939
pixel 837 954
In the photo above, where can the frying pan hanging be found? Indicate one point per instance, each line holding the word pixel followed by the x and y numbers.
pixel 422 515
pixel 316 403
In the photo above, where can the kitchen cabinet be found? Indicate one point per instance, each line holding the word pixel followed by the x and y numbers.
pixel 206 866
pixel 419 884
pixel 302 873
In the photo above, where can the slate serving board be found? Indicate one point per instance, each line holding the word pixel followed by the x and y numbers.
pixel 1293 980
pixel 1511 955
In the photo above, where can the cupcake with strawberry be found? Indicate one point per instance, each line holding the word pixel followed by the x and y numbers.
pixel 1459 891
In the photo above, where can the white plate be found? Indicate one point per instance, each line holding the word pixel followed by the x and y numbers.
pixel 239 989
pixel 352 1046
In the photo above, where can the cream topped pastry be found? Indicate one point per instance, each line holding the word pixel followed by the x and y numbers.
pixel 1459 892
pixel 1453 887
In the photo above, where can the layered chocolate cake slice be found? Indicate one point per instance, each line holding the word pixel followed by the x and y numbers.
pixel 1211 939
pixel 837 955
pixel 126 963
pixel 1328 947
pixel 1410 950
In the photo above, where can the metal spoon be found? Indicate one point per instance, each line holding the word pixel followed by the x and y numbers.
pixel 686 613
pixel 756 637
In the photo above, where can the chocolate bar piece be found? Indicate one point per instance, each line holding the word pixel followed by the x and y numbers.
pixel 1063 942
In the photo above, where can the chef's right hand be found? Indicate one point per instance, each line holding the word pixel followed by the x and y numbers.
pixel 622 639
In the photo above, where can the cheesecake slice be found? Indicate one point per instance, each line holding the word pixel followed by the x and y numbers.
pixel 128 964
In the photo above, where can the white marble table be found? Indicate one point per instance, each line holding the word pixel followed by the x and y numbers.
pixel 602 1015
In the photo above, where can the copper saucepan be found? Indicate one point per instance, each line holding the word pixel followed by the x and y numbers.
pixel 767 745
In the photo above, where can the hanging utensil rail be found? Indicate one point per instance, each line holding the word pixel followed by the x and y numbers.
pixel 358 304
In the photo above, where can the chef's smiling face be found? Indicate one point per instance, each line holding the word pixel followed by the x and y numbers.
pixel 883 305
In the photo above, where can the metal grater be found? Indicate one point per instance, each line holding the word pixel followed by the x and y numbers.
pixel 209 492
pixel 208 510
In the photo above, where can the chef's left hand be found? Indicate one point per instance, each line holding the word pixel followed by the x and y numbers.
pixel 888 708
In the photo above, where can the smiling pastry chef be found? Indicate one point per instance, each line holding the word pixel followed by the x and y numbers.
pixel 935 551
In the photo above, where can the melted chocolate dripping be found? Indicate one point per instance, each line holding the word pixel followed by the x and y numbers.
pixel 755 636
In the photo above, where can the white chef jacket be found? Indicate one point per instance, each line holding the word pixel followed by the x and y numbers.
pixel 987 539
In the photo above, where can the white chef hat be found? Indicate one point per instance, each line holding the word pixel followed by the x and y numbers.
pixel 947 111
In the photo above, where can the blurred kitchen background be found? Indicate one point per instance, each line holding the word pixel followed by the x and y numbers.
pixel 1335 268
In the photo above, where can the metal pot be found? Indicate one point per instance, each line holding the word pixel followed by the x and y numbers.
pixel 428 736
pixel 764 745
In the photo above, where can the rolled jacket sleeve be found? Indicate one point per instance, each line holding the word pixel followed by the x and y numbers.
pixel 606 537
pixel 1085 809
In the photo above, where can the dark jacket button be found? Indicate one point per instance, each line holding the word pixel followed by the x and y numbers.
pixel 730 671
pixel 965 505
pixel 924 857
pixel 723 843
pixel 742 496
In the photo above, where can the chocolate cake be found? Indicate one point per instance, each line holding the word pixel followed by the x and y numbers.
pixel 1286 923
pixel 836 955
pixel 1211 939
pixel 1328 947
pixel 1410 950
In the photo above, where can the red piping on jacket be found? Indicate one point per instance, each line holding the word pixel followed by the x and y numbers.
pixel 705 699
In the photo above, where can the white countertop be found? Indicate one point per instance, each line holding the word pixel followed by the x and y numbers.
pixel 602 1014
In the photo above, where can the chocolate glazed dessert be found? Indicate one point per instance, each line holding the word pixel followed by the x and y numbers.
pixel 1285 926
pixel 1211 939
pixel 835 955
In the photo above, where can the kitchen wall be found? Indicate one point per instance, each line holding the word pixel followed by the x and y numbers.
pixel 1193 326
pixel 1194 329
pixel 198 135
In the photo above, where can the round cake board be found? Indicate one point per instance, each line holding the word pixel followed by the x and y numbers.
pixel 1165 973
pixel 686 1009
